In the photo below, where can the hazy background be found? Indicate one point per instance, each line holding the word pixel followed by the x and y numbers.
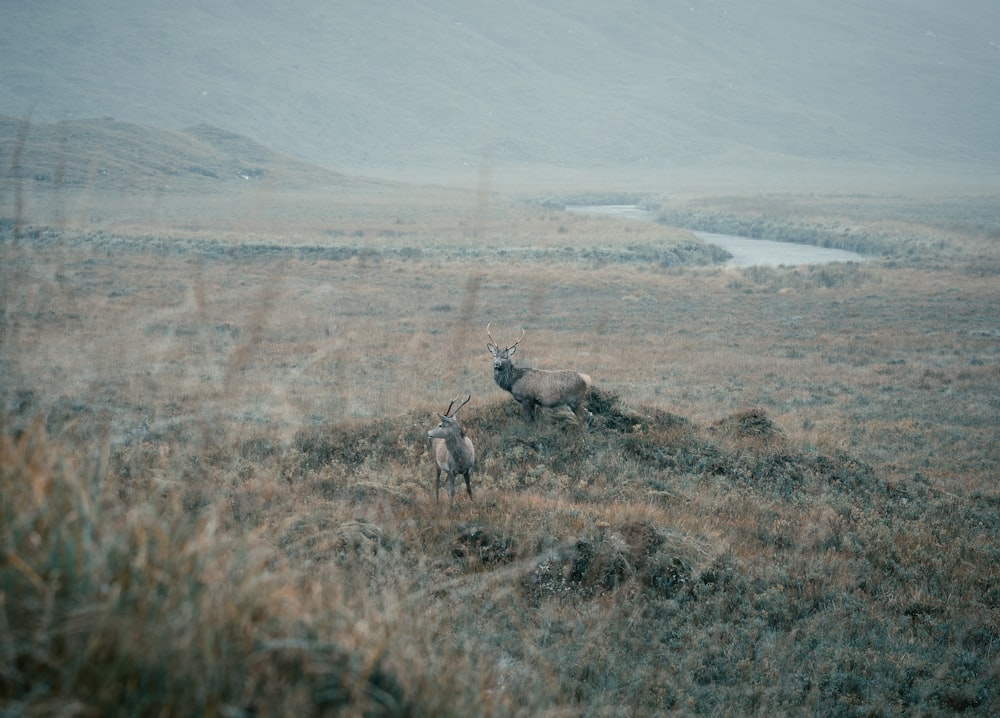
pixel 718 87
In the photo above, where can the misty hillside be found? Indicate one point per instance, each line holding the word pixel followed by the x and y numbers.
pixel 113 155
pixel 444 84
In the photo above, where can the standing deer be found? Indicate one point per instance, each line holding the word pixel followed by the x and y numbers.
pixel 533 388
pixel 452 450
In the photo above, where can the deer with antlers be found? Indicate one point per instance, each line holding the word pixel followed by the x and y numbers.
pixel 452 450
pixel 533 388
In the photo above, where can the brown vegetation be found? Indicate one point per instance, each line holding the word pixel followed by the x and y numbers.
pixel 217 497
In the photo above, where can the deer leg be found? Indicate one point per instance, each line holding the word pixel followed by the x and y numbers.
pixel 450 485
pixel 468 483
pixel 437 486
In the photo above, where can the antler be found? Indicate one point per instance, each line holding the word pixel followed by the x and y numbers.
pixel 467 399
pixel 495 341
pixel 449 412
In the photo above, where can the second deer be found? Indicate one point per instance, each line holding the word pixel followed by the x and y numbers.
pixel 452 451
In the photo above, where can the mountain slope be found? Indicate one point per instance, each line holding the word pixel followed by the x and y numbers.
pixel 110 154
pixel 438 84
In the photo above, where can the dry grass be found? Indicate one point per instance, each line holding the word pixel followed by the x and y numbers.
pixel 217 496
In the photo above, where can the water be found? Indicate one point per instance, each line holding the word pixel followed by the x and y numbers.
pixel 746 252
pixel 749 252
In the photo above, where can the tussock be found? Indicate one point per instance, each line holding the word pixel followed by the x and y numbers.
pixel 752 424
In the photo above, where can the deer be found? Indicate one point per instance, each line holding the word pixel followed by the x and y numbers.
pixel 533 388
pixel 452 451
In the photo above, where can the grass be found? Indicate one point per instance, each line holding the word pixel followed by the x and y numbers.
pixel 217 497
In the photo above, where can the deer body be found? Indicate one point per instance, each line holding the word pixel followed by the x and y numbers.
pixel 533 388
pixel 453 452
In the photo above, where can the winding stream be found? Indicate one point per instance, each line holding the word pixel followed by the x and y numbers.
pixel 746 252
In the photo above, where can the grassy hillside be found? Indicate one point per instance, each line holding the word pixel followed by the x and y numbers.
pixel 664 87
pixel 219 363
pixel 217 497
pixel 106 155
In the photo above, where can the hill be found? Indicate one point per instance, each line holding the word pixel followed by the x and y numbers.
pixel 669 87
pixel 114 156
pixel 645 565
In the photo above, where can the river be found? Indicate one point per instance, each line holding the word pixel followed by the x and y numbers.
pixel 747 252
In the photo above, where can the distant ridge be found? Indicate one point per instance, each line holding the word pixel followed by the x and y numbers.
pixel 107 154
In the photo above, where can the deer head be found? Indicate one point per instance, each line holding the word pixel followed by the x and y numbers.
pixel 500 356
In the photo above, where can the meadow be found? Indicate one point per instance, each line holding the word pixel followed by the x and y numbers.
pixel 218 500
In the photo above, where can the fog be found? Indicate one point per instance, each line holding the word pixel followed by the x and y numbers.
pixel 715 88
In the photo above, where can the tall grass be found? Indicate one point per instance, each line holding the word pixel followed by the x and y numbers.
pixel 649 566
pixel 117 608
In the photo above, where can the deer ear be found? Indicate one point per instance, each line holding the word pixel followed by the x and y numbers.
pixel 512 350
pixel 492 349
